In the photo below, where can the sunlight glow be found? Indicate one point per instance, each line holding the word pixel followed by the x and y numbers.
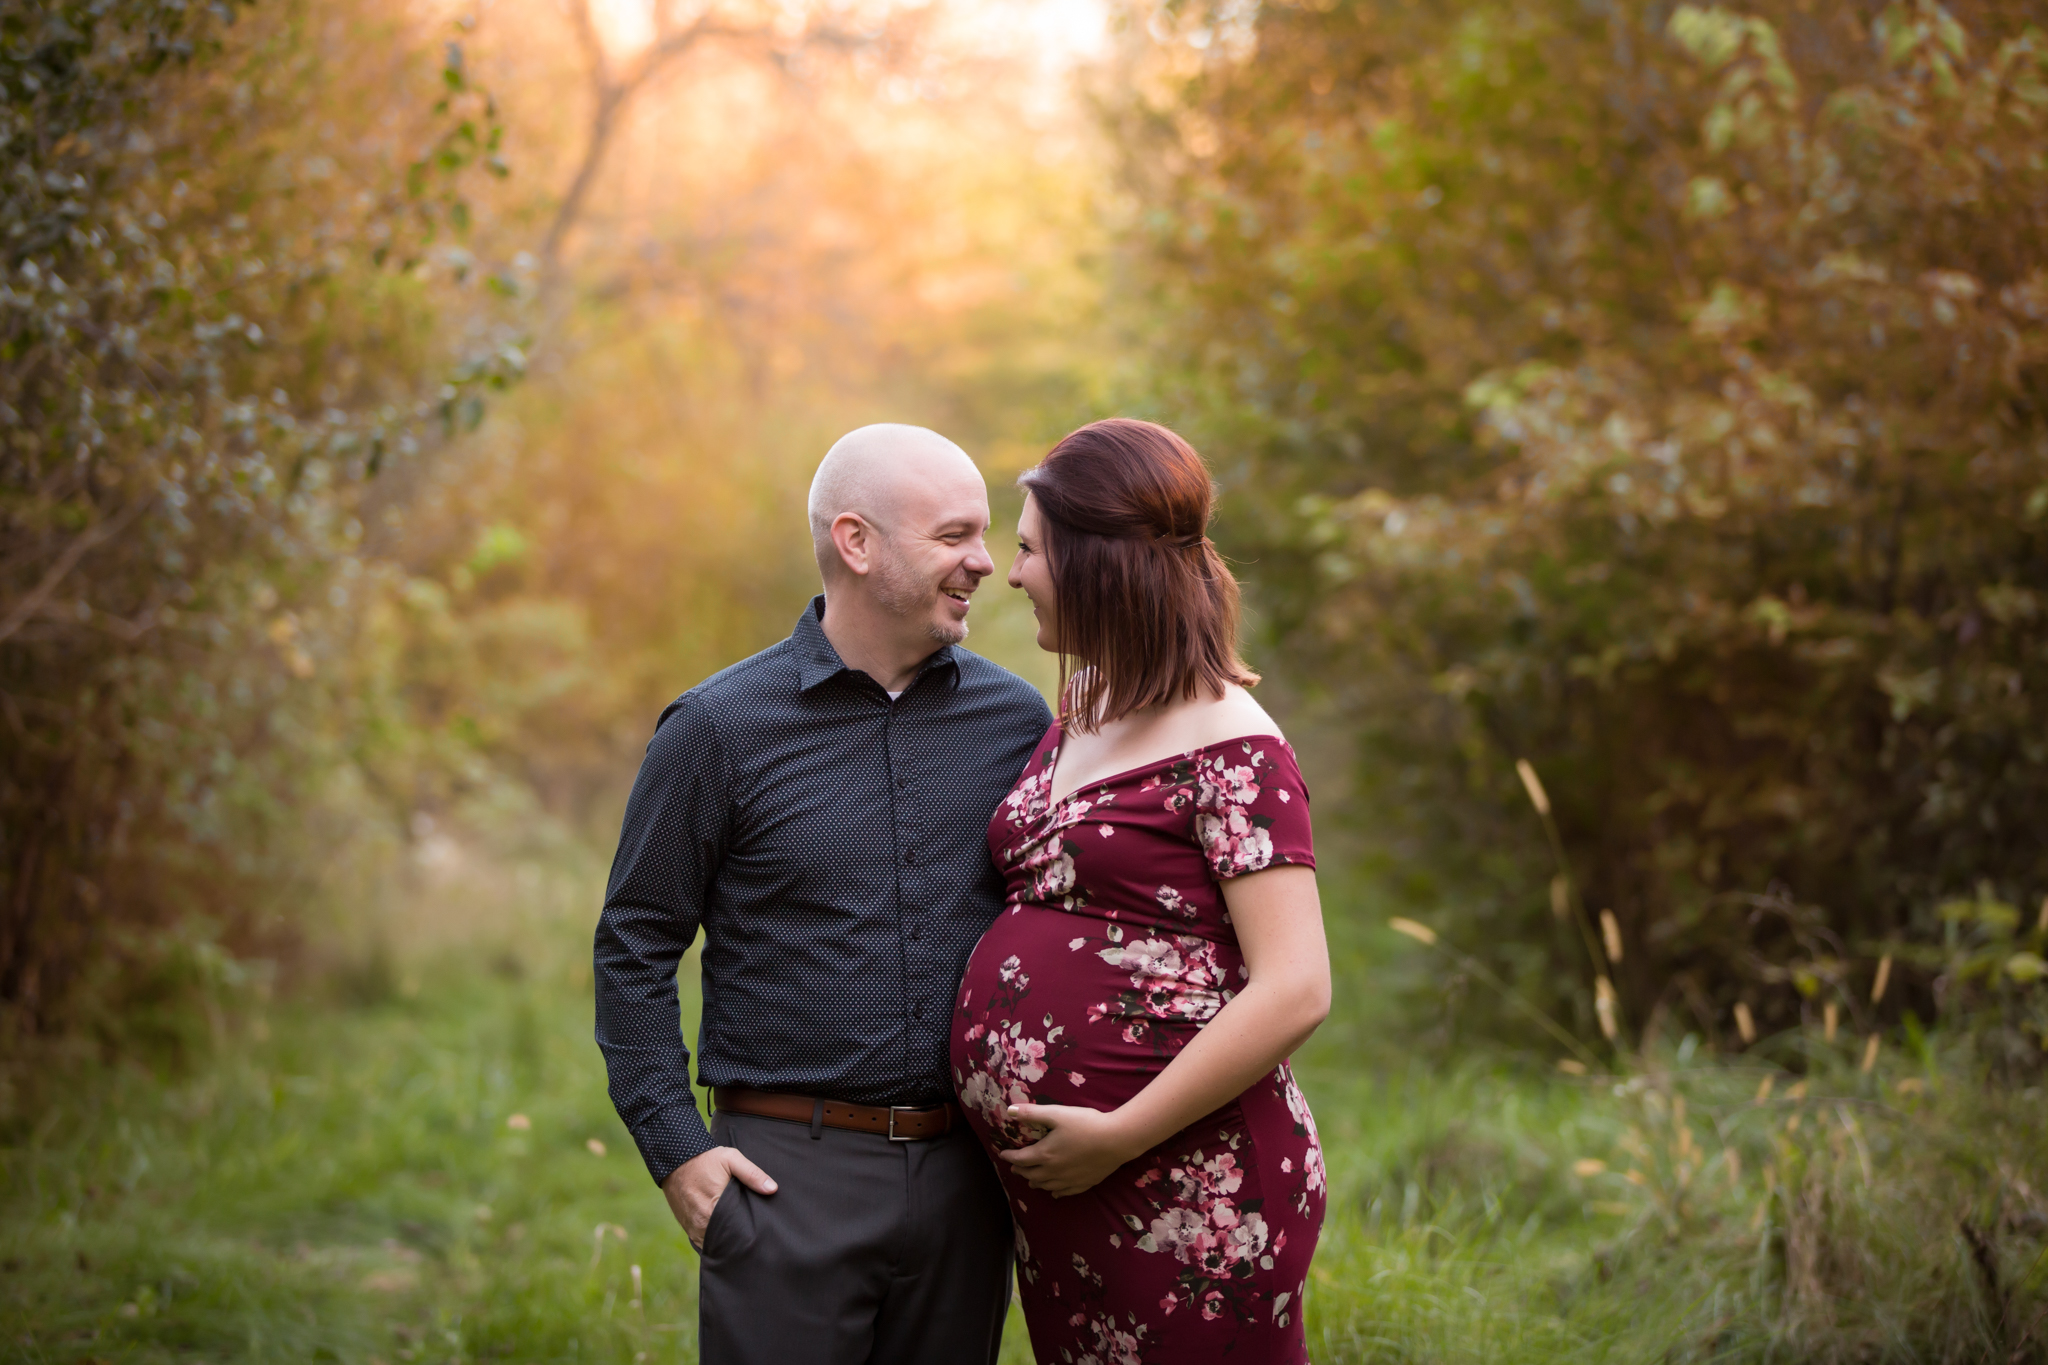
pixel 1058 34
pixel 624 26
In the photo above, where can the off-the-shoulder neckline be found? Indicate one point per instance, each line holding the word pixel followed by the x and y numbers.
pixel 1052 773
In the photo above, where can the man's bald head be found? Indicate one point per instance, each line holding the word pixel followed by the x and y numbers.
pixel 882 474
pixel 899 519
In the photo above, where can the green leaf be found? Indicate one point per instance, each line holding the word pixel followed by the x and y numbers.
pixel 498 545
pixel 1707 198
pixel 1711 34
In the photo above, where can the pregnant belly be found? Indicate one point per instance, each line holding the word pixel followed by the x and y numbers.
pixel 1060 1008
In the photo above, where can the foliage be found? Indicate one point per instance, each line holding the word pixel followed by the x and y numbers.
pixel 1655 393
pixel 277 634
pixel 223 272
pixel 830 260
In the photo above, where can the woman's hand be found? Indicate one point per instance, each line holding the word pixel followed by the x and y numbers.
pixel 1076 1149
pixel 1286 993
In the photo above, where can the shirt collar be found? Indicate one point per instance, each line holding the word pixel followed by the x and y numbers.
pixel 818 662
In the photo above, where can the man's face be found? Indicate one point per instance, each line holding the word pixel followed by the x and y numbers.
pixel 928 564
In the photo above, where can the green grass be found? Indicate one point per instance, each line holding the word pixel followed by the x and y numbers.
pixel 346 1187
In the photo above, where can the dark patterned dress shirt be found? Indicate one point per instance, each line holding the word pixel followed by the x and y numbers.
pixel 833 847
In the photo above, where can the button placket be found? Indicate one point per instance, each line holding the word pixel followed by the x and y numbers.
pixel 909 885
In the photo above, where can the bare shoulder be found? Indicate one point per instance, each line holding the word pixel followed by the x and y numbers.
pixel 1231 716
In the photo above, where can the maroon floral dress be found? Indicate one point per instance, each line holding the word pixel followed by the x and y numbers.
pixel 1114 948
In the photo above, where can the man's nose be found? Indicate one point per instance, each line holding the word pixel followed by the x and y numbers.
pixel 980 562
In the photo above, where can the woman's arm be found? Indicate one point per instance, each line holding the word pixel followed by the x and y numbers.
pixel 1279 921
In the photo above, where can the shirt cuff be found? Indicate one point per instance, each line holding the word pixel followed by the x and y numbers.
pixel 671 1136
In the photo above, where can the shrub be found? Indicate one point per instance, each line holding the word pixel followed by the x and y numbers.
pixel 219 327
pixel 1657 394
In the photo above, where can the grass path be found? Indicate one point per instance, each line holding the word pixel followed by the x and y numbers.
pixel 440 1177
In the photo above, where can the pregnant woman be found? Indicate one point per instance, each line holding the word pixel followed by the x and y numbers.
pixel 1121 1036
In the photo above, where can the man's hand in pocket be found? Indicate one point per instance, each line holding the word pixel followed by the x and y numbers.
pixel 694 1188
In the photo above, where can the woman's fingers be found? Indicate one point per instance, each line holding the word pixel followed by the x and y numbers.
pixel 1038 1115
pixel 1048 1164
pixel 1044 1171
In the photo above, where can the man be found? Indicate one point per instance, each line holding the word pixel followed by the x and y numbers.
pixel 821 811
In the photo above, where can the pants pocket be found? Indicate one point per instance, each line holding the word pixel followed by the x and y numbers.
pixel 730 1230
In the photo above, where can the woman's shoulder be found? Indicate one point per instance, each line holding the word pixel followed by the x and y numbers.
pixel 1217 720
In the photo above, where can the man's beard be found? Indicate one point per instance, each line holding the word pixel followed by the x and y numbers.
pixel 901 592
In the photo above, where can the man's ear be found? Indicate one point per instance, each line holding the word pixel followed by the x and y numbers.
pixel 855 541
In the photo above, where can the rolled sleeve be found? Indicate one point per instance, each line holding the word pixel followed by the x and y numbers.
pixel 669 848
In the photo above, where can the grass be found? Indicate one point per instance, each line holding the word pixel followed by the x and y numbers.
pixel 437 1175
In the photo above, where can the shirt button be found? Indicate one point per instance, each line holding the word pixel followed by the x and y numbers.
pixel 917 931
pixel 910 857
pixel 917 1010
pixel 902 782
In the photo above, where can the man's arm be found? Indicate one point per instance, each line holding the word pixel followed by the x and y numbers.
pixel 669 847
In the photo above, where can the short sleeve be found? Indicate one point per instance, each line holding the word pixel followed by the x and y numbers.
pixel 1251 808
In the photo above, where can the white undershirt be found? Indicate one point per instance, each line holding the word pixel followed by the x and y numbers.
pixel 894 695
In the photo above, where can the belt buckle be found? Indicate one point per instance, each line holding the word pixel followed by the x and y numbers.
pixel 894 1110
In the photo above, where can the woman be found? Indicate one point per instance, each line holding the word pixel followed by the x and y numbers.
pixel 1121 1034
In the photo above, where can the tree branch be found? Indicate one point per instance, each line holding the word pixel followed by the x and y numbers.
pixel 611 91
pixel 33 601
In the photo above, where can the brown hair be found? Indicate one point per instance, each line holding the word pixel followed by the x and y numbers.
pixel 1140 594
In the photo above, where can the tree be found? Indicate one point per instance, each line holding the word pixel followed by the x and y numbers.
pixel 222 282
pixel 1656 394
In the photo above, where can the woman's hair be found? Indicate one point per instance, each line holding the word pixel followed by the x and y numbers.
pixel 1141 598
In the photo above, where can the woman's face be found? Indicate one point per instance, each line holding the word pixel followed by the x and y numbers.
pixel 1032 572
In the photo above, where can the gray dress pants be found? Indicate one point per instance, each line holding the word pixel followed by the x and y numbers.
pixel 870 1252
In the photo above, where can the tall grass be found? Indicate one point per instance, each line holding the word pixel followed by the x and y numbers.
pixel 433 1173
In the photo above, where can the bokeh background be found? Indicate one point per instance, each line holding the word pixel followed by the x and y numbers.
pixel 1631 425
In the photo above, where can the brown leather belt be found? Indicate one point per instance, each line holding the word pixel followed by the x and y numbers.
pixel 895 1122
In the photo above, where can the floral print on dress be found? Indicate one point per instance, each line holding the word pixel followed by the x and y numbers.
pixel 1314 1180
pixel 1222 790
pixel 1045 861
pixel 1173 978
pixel 1175 904
pixel 1211 1225
pixel 1010 1060
pixel 1115 950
